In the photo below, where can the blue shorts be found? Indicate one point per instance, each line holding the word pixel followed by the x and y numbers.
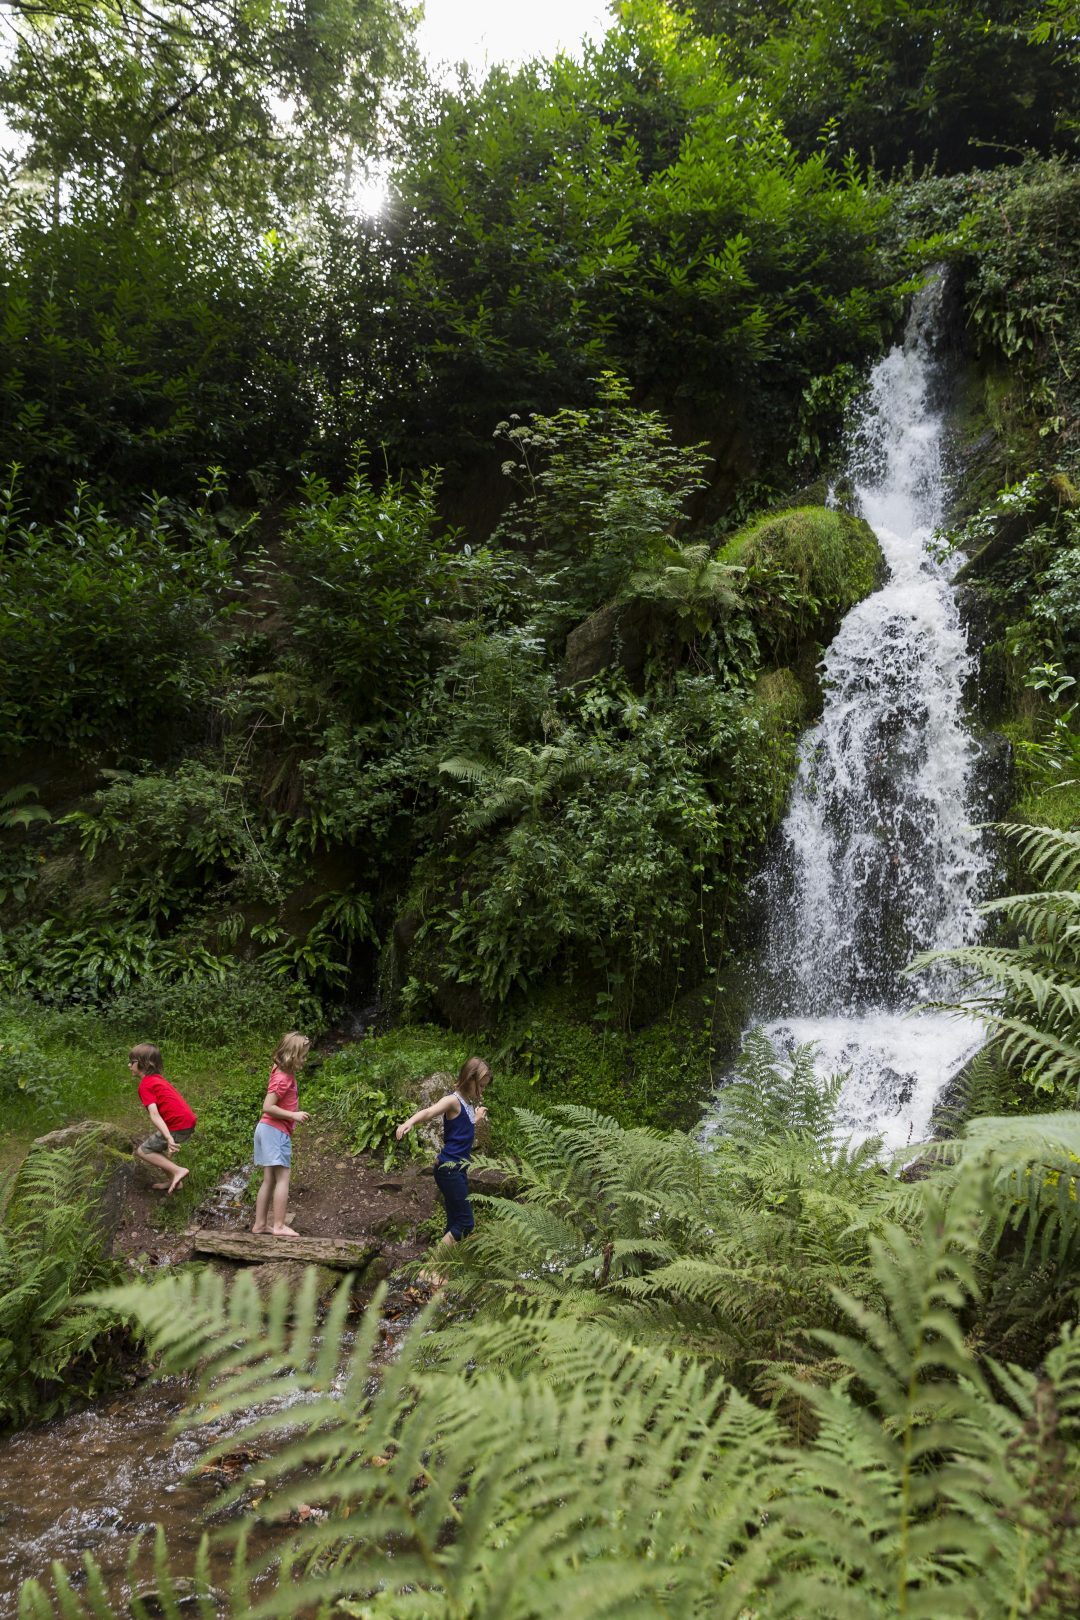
pixel 272 1147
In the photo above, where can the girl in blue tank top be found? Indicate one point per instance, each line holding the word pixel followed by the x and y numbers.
pixel 460 1111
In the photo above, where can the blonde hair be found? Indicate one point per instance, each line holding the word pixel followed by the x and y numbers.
pixel 473 1070
pixel 290 1052
pixel 146 1058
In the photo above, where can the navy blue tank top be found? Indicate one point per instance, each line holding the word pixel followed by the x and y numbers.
pixel 458 1133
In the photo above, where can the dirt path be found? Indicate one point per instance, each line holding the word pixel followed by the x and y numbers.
pixel 333 1193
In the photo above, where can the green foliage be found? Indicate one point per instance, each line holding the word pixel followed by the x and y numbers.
pixel 187 101
pixel 55 1347
pixel 19 809
pixel 1029 992
pixel 245 1000
pixel 366 566
pixel 602 491
pixel 649 1077
pixel 138 350
pixel 894 80
pixel 24 1067
pixel 125 647
pixel 368 1086
pixel 730 1252
pixel 627 844
pixel 638 211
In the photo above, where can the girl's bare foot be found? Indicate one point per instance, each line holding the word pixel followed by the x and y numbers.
pixel 177 1179
pixel 160 1186
pixel 258 1229
pixel 283 1231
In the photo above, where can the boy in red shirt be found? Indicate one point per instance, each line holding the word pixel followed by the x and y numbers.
pixel 173 1120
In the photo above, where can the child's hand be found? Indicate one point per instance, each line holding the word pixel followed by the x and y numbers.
pixel 481 1113
pixel 173 1147
pixel 301 1116
pixel 403 1130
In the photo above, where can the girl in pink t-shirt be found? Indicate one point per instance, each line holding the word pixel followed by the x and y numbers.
pixel 273 1135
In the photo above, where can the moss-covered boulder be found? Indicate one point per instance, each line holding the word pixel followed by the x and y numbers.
pixel 805 568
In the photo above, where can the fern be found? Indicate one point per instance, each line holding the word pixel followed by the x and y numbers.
pixel 532 1464
pixel 51 1252
pixel 1029 992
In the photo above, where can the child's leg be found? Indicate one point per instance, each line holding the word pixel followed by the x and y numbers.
pixel 175 1173
pixel 281 1203
pixel 262 1200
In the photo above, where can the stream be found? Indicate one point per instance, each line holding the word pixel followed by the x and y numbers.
pixel 878 857
pixel 92 1481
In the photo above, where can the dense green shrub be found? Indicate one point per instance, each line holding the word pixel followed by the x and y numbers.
pixel 366 570
pixel 139 349
pixel 107 626
pixel 247 999
pixel 943 83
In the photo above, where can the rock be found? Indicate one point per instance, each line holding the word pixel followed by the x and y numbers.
pixel 426 1092
pixel 110 1155
pixel 834 560
pixel 490 1179
pixel 183 1592
pixel 292 1274
pixel 618 632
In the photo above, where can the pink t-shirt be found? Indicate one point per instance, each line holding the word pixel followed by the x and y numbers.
pixel 287 1095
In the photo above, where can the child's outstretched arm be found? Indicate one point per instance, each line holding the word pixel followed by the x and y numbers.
pixel 445 1105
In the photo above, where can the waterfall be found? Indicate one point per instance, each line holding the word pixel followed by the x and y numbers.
pixel 877 857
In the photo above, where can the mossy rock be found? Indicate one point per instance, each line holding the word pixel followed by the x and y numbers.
pixel 833 558
pixel 110 1162
pixel 782 700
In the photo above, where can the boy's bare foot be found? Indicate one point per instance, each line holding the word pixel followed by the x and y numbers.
pixel 283 1231
pixel 177 1179
pixel 160 1186
pixel 258 1229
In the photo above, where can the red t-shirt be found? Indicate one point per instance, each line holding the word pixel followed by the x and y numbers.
pixel 287 1095
pixel 154 1088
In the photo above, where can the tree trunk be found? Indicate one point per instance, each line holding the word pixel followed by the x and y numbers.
pixel 344 1254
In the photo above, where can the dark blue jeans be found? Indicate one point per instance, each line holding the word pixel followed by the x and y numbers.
pixel 452 1181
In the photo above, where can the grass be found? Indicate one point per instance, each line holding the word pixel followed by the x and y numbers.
pixel 61 1067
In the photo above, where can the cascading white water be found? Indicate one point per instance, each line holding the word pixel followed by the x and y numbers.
pixel 877 857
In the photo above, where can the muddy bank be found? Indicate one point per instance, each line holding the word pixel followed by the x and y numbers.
pixel 92 1481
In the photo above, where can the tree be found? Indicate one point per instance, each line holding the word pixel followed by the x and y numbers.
pixel 947 82
pixel 217 101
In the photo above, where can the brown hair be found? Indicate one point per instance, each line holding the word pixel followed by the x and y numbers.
pixel 146 1058
pixel 473 1070
pixel 291 1050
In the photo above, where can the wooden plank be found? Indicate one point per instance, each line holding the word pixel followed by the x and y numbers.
pixel 344 1254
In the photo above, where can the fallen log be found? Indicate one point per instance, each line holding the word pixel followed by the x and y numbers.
pixel 344 1254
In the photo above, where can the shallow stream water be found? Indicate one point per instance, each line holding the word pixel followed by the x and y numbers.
pixel 92 1481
